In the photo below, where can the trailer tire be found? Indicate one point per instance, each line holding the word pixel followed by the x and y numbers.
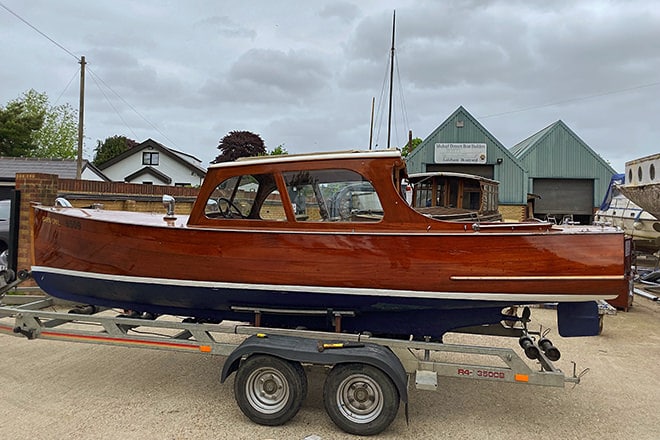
pixel 270 390
pixel 360 399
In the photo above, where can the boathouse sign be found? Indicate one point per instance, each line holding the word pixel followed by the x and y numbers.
pixel 460 153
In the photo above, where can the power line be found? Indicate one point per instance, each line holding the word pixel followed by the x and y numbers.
pixel 569 100
pixel 39 32
pixel 132 108
pixel 96 78
pixel 75 74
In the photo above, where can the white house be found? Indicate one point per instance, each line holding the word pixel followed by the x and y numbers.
pixel 156 164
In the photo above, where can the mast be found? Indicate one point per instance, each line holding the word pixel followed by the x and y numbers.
pixel 389 117
pixel 371 125
pixel 81 112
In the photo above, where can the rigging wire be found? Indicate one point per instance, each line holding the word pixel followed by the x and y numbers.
pixel 400 102
pixel 404 112
pixel 380 113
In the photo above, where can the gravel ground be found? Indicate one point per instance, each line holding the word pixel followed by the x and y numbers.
pixel 58 390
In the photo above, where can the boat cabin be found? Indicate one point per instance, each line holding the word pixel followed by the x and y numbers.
pixel 455 196
pixel 343 187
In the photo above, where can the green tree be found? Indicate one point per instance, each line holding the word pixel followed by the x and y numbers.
pixel 58 136
pixel 279 150
pixel 238 144
pixel 410 146
pixel 18 130
pixel 32 127
pixel 111 147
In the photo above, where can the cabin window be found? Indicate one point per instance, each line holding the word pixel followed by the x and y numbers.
pixel 332 195
pixel 471 195
pixel 150 158
pixel 246 197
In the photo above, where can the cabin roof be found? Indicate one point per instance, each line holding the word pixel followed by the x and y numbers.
pixel 415 177
pixel 332 155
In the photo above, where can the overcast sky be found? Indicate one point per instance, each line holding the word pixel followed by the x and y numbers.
pixel 303 73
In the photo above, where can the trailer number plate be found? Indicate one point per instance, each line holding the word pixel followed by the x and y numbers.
pixel 486 374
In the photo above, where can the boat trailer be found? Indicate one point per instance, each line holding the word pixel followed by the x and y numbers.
pixel 367 376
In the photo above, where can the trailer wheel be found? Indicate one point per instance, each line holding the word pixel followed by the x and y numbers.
pixel 270 390
pixel 360 399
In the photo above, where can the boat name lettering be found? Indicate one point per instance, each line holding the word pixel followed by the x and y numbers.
pixel 480 373
pixel 52 221
pixel 72 224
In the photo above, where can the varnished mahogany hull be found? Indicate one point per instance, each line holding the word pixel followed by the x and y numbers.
pixel 396 282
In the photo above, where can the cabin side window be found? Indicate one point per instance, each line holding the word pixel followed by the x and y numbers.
pixel 246 197
pixel 332 195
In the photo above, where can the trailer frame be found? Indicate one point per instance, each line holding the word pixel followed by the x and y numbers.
pixel 377 370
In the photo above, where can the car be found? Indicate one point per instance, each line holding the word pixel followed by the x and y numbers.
pixel 5 215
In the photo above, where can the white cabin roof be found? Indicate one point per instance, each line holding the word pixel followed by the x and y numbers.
pixel 332 155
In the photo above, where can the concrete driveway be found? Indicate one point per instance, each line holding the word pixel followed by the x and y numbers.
pixel 58 390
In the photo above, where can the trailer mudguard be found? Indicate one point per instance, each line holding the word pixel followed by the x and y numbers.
pixel 578 319
pixel 306 350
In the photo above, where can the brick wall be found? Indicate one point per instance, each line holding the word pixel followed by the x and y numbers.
pixel 33 187
pixel 45 188
pixel 513 213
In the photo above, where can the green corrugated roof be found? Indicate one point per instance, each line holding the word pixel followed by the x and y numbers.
pixel 537 140
pixel 523 147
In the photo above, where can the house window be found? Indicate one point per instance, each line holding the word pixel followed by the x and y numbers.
pixel 149 158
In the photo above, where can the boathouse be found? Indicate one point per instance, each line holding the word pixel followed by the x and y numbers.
pixel 461 144
pixel 569 178
pixel 551 174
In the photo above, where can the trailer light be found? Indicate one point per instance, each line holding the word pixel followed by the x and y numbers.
pixel 205 348
pixel 522 378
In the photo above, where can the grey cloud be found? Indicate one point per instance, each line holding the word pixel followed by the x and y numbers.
pixel 344 11
pixel 266 76
pixel 226 27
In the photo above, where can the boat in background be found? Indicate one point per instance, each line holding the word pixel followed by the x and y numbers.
pixel 619 211
pixel 325 241
pixel 642 184
pixel 455 196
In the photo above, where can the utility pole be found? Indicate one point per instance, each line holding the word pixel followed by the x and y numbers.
pixel 81 118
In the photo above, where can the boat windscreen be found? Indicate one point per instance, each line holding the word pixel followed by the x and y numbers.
pixel 332 195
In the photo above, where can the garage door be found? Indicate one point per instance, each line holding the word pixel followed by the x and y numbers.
pixel 564 196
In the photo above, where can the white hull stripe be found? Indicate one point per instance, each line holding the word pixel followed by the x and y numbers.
pixel 521 298
pixel 539 278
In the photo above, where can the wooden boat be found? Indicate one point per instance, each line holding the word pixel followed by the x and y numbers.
pixel 324 240
pixel 643 183
pixel 455 196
